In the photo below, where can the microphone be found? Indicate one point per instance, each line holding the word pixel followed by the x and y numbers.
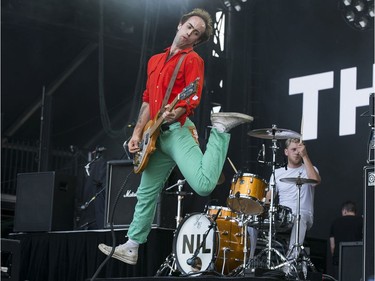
pixel 99 149
pixel 84 206
pixel 192 261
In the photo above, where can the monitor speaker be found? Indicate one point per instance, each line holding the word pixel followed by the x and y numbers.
pixel 368 226
pixel 10 259
pixel 122 185
pixel 350 261
pixel 44 202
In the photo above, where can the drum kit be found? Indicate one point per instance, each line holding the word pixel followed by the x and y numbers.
pixel 216 241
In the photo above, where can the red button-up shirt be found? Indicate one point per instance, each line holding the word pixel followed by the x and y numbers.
pixel 159 73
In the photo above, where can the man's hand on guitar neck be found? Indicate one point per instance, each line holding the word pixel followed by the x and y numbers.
pixel 174 114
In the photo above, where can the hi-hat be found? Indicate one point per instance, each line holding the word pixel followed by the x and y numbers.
pixel 274 133
pixel 298 181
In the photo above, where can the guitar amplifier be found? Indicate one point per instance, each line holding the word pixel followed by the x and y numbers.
pixel 121 198
pixel 368 226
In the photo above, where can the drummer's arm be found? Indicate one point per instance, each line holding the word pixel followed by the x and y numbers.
pixel 311 172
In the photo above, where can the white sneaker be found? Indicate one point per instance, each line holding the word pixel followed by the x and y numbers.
pixel 225 121
pixel 122 252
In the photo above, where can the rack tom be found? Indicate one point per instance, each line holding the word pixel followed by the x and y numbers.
pixel 247 193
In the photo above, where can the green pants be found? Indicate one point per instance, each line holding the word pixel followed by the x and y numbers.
pixel 177 146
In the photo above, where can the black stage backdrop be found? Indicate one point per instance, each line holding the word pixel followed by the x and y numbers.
pixel 300 60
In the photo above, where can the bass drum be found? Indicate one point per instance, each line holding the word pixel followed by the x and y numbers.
pixel 221 252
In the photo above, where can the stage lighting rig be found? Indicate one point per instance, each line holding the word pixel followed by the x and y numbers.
pixel 229 4
pixel 359 14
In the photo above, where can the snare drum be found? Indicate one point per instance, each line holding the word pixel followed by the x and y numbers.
pixel 283 219
pixel 222 250
pixel 247 193
pixel 224 212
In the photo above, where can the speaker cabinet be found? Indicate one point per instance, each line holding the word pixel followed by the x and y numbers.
pixel 120 175
pixel 368 226
pixel 10 259
pixel 350 261
pixel 44 202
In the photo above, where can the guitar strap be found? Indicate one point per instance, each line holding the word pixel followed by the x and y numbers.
pixel 171 83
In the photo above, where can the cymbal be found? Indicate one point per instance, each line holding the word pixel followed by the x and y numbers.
pixel 273 133
pixel 298 181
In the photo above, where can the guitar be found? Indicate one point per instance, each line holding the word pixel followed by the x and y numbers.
pixel 151 130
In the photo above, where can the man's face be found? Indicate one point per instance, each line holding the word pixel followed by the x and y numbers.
pixel 293 154
pixel 189 33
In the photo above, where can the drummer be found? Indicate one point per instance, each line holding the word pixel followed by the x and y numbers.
pixel 299 165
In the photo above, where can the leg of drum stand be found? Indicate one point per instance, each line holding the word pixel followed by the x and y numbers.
pixel 240 270
pixel 179 205
pixel 245 244
pixel 170 262
pixel 297 246
pixel 272 209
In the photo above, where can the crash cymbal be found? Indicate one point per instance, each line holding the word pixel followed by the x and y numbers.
pixel 298 181
pixel 273 133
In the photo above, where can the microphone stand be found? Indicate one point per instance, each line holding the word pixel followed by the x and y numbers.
pixel 192 260
pixel 97 156
pixel 87 203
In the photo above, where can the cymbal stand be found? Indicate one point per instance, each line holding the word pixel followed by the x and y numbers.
pixel 269 250
pixel 169 266
pixel 180 197
pixel 297 247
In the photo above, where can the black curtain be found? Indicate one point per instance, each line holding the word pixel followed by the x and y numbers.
pixel 74 256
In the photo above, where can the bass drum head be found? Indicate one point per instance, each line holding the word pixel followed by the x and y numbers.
pixel 188 238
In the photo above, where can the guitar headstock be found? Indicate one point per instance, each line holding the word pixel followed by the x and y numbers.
pixel 189 90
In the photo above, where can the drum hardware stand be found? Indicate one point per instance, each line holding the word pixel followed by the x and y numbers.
pixel 240 270
pixel 244 222
pixel 297 247
pixel 274 134
pixel 170 262
pixel 269 250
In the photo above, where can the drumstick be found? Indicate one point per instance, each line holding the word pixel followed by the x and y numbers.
pixel 234 168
